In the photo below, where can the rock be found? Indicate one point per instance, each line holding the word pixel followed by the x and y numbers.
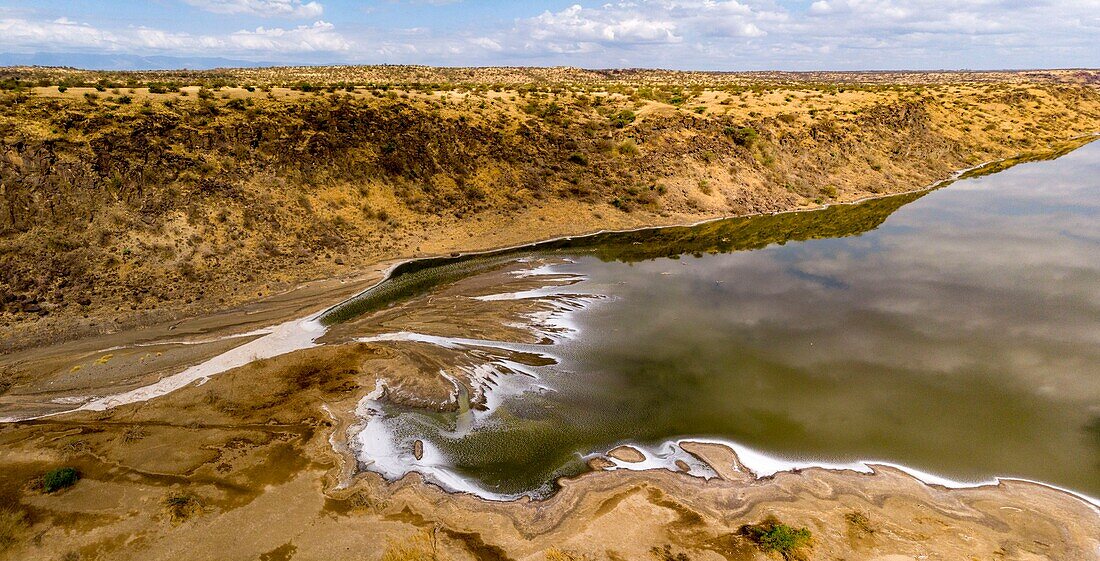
pixel 418 449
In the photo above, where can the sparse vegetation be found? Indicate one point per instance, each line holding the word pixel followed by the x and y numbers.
pixel 181 506
pixel 859 522
pixel 13 523
pixel 421 546
pixel 555 554
pixel 666 553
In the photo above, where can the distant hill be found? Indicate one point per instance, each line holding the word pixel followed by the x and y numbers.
pixel 121 61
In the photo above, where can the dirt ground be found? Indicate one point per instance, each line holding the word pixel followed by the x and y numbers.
pixel 243 468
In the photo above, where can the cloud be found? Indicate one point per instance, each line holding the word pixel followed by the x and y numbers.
pixel 700 34
pixel 640 26
pixel 261 8
pixel 64 34
pixel 606 25
pixel 321 36
pixel 15 32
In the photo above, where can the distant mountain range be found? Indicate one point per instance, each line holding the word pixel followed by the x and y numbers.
pixel 101 61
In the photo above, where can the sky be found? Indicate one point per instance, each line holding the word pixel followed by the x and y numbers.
pixel 677 34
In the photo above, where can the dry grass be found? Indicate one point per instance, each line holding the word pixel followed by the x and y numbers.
pixel 182 506
pixel 13 524
pixel 555 554
pixel 421 546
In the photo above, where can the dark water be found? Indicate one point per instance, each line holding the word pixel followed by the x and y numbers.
pixel 956 332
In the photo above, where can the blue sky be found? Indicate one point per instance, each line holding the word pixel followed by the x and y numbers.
pixel 686 34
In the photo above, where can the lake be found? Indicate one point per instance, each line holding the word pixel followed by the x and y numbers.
pixel 956 332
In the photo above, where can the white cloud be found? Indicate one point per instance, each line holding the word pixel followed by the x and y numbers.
pixel 487 44
pixel 633 25
pixel 704 34
pixel 262 8
pixel 321 36
pixel 608 24
pixel 64 34
pixel 60 32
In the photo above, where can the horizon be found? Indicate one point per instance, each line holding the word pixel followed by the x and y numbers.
pixel 261 65
pixel 698 35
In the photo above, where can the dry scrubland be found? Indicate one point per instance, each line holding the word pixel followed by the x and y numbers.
pixel 130 198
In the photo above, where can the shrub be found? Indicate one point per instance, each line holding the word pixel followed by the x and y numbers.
pixel 181 506
pixel 744 136
pixel 628 148
pixel 578 158
pixel 61 89
pixel 774 536
pixel 60 478
pixel 859 521
pixel 622 118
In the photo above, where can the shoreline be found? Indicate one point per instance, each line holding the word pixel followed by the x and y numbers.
pixel 764 466
pixel 100 403
pixel 740 451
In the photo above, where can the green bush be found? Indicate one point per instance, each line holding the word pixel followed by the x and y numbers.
pixel 622 118
pixel 774 536
pixel 60 478
pixel 744 136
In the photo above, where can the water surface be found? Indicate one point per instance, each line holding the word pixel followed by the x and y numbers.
pixel 956 332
